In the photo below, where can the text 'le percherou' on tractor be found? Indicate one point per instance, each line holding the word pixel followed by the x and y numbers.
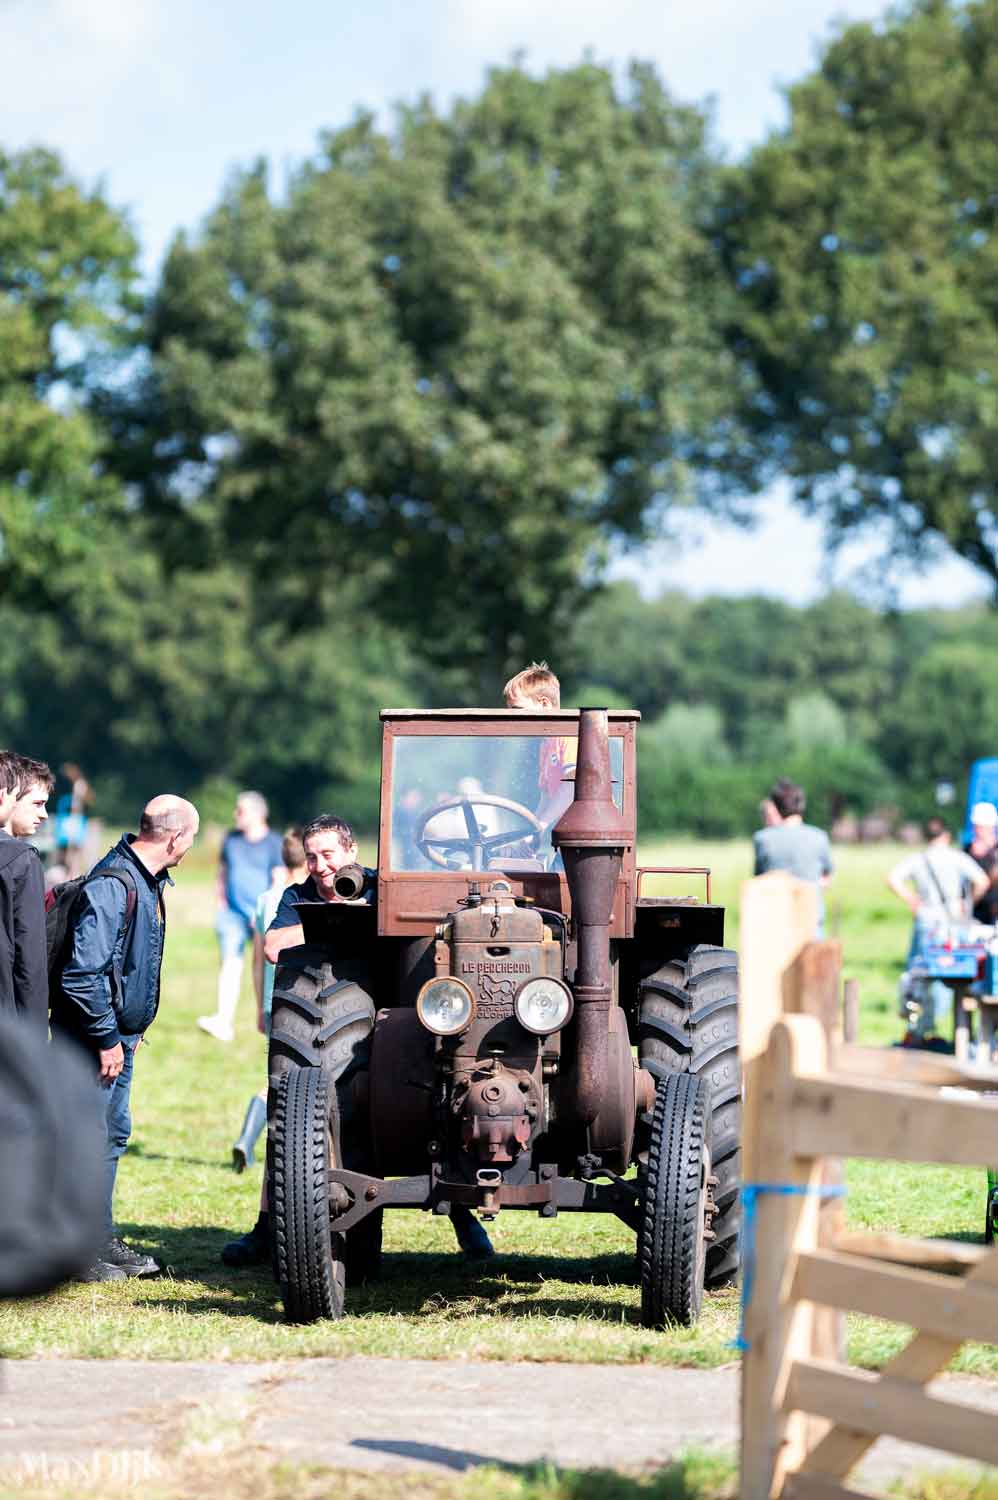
pixel 508 1024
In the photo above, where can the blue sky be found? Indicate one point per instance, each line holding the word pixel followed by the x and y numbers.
pixel 160 98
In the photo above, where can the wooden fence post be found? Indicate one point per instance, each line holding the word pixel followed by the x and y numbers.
pixel 850 1010
pixel 778 920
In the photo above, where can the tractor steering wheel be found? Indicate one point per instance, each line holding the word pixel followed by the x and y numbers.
pixel 477 844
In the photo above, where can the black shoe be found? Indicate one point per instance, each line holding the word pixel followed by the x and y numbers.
pixel 471 1235
pixel 251 1249
pixel 102 1270
pixel 131 1262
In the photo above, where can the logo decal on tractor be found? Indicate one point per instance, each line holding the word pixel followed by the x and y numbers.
pixel 496 990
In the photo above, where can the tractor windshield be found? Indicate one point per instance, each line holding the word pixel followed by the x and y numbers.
pixel 482 802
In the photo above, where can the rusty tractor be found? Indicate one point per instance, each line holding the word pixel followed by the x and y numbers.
pixel 506 1022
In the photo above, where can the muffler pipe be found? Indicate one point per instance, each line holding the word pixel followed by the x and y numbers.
pixel 592 836
pixel 351 882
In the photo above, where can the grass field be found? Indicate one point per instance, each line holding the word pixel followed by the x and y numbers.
pixel 555 1291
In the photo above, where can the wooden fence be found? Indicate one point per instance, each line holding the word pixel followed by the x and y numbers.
pixel 810 1100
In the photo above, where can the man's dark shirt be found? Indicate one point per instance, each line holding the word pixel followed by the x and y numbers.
pixel 986 910
pixel 24 981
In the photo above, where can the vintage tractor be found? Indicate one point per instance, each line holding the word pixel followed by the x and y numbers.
pixel 508 1023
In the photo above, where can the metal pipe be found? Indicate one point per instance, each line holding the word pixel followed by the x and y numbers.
pixel 592 837
pixel 352 881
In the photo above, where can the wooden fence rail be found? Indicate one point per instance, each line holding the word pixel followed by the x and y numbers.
pixel 810 1100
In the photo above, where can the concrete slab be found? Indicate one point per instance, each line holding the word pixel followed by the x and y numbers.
pixel 382 1414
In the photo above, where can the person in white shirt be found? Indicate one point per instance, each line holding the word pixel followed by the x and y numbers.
pixel 939 885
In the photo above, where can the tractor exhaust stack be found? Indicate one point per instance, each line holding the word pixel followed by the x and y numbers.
pixel 592 837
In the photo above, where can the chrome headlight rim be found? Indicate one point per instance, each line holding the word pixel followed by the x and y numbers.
pixel 438 982
pixel 520 998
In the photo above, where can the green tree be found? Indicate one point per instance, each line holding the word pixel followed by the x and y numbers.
pixel 863 240
pixel 67 265
pixel 946 714
pixel 451 363
pixel 153 682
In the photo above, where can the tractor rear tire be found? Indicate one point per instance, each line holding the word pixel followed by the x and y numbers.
pixel 672 1246
pixel 323 1020
pixel 688 1023
pixel 308 1256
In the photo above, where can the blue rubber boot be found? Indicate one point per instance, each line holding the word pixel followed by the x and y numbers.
pixel 256 1119
pixel 471 1235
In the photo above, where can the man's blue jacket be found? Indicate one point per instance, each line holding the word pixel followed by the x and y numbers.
pixel 101 946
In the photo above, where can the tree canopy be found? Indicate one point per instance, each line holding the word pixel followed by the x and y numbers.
pixel 67 265
pixel 451 363
pixel 863 242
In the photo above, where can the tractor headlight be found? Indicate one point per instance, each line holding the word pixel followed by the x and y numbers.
pixel 445 1006
pixel 543 1005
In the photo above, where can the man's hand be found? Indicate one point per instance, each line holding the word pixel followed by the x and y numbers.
pixel 112 1060
pixel 261 1023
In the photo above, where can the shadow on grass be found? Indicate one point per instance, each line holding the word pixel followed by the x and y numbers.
pixel 413 1285
pixel 683 1480
pixel 136 1149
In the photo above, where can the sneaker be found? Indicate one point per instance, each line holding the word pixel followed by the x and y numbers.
pixel 216 1027
pixel 251 1249
pixel 130 1262
pixel 102 1270
pixel 471 1235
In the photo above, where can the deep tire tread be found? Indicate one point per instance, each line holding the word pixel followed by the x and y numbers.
pixel 688 1023
pixel 669 1262
pixel 322 1023
pixel 308 1258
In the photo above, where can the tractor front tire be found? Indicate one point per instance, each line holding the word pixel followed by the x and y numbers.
pixel 672 1245
pixel 323 1020
pixel 308 1256
pixel 688 1023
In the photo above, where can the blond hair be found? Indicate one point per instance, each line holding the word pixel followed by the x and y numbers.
pixel 534 682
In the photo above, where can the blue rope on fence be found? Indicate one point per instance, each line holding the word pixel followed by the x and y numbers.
pixel 751 1192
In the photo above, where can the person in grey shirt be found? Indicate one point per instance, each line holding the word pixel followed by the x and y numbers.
pixel 788 843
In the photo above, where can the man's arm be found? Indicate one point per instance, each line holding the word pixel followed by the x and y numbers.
pixel 222 874
pixel 31 972
pixel 827 868
pixel 279 938
pixel 86 980
pixel 980 880
pixel 258 962
pixel 897 882
pixel 286 930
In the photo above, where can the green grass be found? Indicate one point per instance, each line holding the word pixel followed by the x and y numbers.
pixel 241 1475
pixel 561 1290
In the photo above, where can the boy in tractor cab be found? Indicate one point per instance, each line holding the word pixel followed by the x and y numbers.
pixel 536 687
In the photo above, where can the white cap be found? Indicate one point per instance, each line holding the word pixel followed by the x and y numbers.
pixel 984 815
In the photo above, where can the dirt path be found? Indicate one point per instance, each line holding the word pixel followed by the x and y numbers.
pixel 387 1414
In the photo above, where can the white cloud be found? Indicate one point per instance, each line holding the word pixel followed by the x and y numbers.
pixel 63 61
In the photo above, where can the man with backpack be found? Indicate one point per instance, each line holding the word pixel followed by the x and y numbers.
pixel 106 974
pixel 23 965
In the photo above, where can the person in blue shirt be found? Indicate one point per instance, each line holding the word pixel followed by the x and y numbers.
pixel 250 862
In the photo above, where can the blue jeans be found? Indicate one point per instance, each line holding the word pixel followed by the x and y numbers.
pixel 233 931
pixel 118 1124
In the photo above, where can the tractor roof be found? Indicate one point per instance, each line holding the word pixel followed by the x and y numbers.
pixel 570 715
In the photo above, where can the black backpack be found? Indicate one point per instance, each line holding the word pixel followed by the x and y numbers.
pixel 60 909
